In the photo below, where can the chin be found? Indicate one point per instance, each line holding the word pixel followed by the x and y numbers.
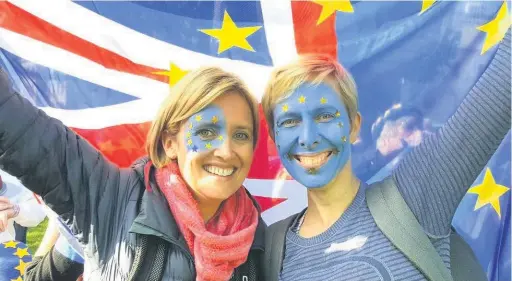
pixel 221 192
pixel 315 181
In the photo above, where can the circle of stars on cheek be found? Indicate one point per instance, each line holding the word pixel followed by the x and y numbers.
pixel 188 135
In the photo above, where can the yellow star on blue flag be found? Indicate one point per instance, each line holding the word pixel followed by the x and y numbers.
pixel 489 192
pixel 14 258
pixel 230 35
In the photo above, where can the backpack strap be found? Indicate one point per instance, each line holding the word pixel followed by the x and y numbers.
pixel 464 264
pixel 275 238
pixel 150 258
pixel 400 226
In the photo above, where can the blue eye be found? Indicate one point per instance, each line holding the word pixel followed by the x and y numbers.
pixel 324 117
pixel 206 134
pixel 289 123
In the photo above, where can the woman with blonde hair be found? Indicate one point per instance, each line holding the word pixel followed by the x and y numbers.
pixel 181 214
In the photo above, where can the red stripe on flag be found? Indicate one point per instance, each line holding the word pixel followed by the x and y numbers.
pixel 266 163
pixel 121 144
pixel 310 38
pixel 268 202
pixel 20 21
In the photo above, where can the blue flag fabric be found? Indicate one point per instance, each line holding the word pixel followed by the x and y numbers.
pixel 14 257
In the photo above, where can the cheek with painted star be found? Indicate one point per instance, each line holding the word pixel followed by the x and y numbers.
pixel 312 131
pixel 206 130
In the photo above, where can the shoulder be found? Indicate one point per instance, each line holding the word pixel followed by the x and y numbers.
pixel 280 226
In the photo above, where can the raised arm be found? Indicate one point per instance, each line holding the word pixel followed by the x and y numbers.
pixel 435 176
pixel 72 177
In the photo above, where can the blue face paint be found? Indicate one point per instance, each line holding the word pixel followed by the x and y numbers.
pixel 312 121
pixel 205 130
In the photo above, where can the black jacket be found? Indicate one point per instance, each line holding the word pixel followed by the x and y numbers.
pixel 105 206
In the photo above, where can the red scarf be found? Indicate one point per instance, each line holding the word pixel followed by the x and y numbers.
pixel 223 243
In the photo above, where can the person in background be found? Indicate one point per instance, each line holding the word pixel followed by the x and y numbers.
pixel 55 259
pixel 21 233
pixel 17 204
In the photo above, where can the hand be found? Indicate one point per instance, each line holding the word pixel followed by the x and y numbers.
pixel 7 212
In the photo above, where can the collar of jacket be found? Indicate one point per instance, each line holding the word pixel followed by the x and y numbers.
pixel 155 217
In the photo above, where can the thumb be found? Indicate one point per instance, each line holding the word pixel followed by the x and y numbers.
pixel 3 222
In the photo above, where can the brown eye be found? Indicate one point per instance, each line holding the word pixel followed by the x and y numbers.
pixel 206 134
pixel 289 123
pixel 241 136
pixel 324 117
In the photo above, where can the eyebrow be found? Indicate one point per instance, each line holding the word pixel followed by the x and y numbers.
pixel 244 127
pixel 203 125
pixel 325 106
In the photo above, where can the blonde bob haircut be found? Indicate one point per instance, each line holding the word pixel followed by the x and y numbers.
pixel 191 94
pixel 312 68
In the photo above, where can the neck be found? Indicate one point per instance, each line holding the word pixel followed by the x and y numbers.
pixel 208 207
pixel 328 203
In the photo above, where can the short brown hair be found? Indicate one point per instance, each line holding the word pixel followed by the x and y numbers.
pixel 313 68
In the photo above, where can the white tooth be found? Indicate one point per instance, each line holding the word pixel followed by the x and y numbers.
pixel 313 160
pixel 219 171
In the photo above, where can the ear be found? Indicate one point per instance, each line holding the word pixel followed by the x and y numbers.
pixel 355 127
pixel 170 145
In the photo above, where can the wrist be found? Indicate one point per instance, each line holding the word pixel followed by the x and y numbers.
pixel 16 210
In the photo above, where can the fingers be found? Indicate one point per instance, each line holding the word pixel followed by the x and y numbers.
pixel 5 206
pixel 3 222
pixel 4 199
pixel 4 218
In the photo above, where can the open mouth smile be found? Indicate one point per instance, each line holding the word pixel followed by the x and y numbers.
pixel 313 161
pixel 218 171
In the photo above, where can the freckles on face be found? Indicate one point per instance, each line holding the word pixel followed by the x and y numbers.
pixel 312 132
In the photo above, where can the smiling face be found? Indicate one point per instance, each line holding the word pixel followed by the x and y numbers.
pixel 312 134
pixel 214 147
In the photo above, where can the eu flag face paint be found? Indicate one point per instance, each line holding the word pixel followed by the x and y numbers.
pixel 312 131
pixel 206 130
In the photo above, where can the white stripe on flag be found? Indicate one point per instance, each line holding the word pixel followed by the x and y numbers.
pixel 278 20
pixel 136 46
pixel 294 192
pixel 77 66
pixel 133 112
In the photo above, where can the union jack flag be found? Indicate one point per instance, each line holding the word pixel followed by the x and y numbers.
pixel 104 67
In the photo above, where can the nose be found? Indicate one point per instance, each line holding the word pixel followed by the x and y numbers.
pixel 309 137
pixel 225 150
